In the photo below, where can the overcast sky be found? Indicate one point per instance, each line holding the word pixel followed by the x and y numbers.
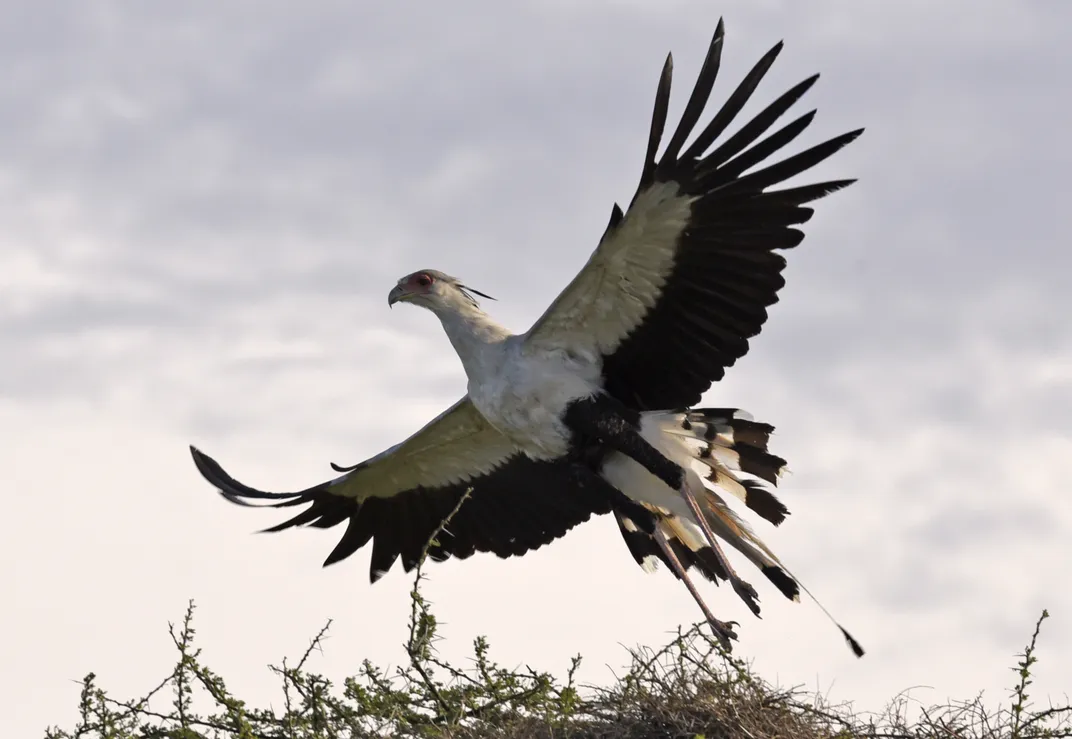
pixel 203 207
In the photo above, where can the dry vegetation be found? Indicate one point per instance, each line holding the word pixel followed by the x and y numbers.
pixel 689 688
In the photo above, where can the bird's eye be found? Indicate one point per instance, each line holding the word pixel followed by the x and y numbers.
pixel 424 280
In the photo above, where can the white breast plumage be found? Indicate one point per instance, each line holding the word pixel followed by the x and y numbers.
pixel 525 397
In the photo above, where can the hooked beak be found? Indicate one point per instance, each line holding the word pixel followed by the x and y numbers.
pixel 397 293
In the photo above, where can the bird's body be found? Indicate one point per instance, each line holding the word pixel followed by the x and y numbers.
pixel 524 396
pixel 591 411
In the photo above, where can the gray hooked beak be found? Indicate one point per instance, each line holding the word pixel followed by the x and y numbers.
pixel 397 293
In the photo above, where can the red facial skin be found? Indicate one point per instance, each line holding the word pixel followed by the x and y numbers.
pixel 419 283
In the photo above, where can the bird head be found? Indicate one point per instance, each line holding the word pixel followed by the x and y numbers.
pixel 433 290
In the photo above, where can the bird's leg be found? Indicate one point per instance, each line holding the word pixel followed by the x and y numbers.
pixel 745 590
pixel 723 629
pixel 646 520
pixel 618 427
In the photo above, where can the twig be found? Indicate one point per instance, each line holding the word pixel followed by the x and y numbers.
pixel 418 645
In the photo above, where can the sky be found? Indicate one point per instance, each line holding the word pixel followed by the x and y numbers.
pixel 203 207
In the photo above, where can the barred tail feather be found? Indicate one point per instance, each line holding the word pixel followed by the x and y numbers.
pixel 732 450
pixel 687 542
pixel 727 525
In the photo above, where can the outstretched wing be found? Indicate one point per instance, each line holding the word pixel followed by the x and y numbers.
pixel 682 280
pixel 398 498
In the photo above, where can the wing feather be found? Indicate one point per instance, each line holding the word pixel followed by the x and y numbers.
pixel 680 282
pixel 398 498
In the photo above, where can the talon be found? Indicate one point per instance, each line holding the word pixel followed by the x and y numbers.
pixel 723 630
pixel 725 633
pixel 747 593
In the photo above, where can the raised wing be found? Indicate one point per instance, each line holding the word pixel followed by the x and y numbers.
pixel 682 280
pixel 398 498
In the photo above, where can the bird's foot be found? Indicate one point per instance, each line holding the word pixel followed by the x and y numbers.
pixel 747 593
pixel 724 632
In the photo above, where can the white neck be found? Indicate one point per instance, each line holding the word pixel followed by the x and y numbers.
pixel 476 338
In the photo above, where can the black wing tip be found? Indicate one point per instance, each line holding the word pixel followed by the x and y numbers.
pixel 211 470
pixel 616 216
pixel 718 39
pixel 801 88
pixel 840 185
pixel 701 93
pixel 811 193
pixel 767 60
pixel 852 135
pixel 231 489
pixel 840 142
pixel 662 99
pixel 335 558
pixel 658 120
pixel 199 457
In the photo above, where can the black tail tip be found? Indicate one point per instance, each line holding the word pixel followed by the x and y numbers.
pixel 765 504
pixel 853 644
pixel 787 585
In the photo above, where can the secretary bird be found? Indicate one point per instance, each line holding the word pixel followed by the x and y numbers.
pixel 590 411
